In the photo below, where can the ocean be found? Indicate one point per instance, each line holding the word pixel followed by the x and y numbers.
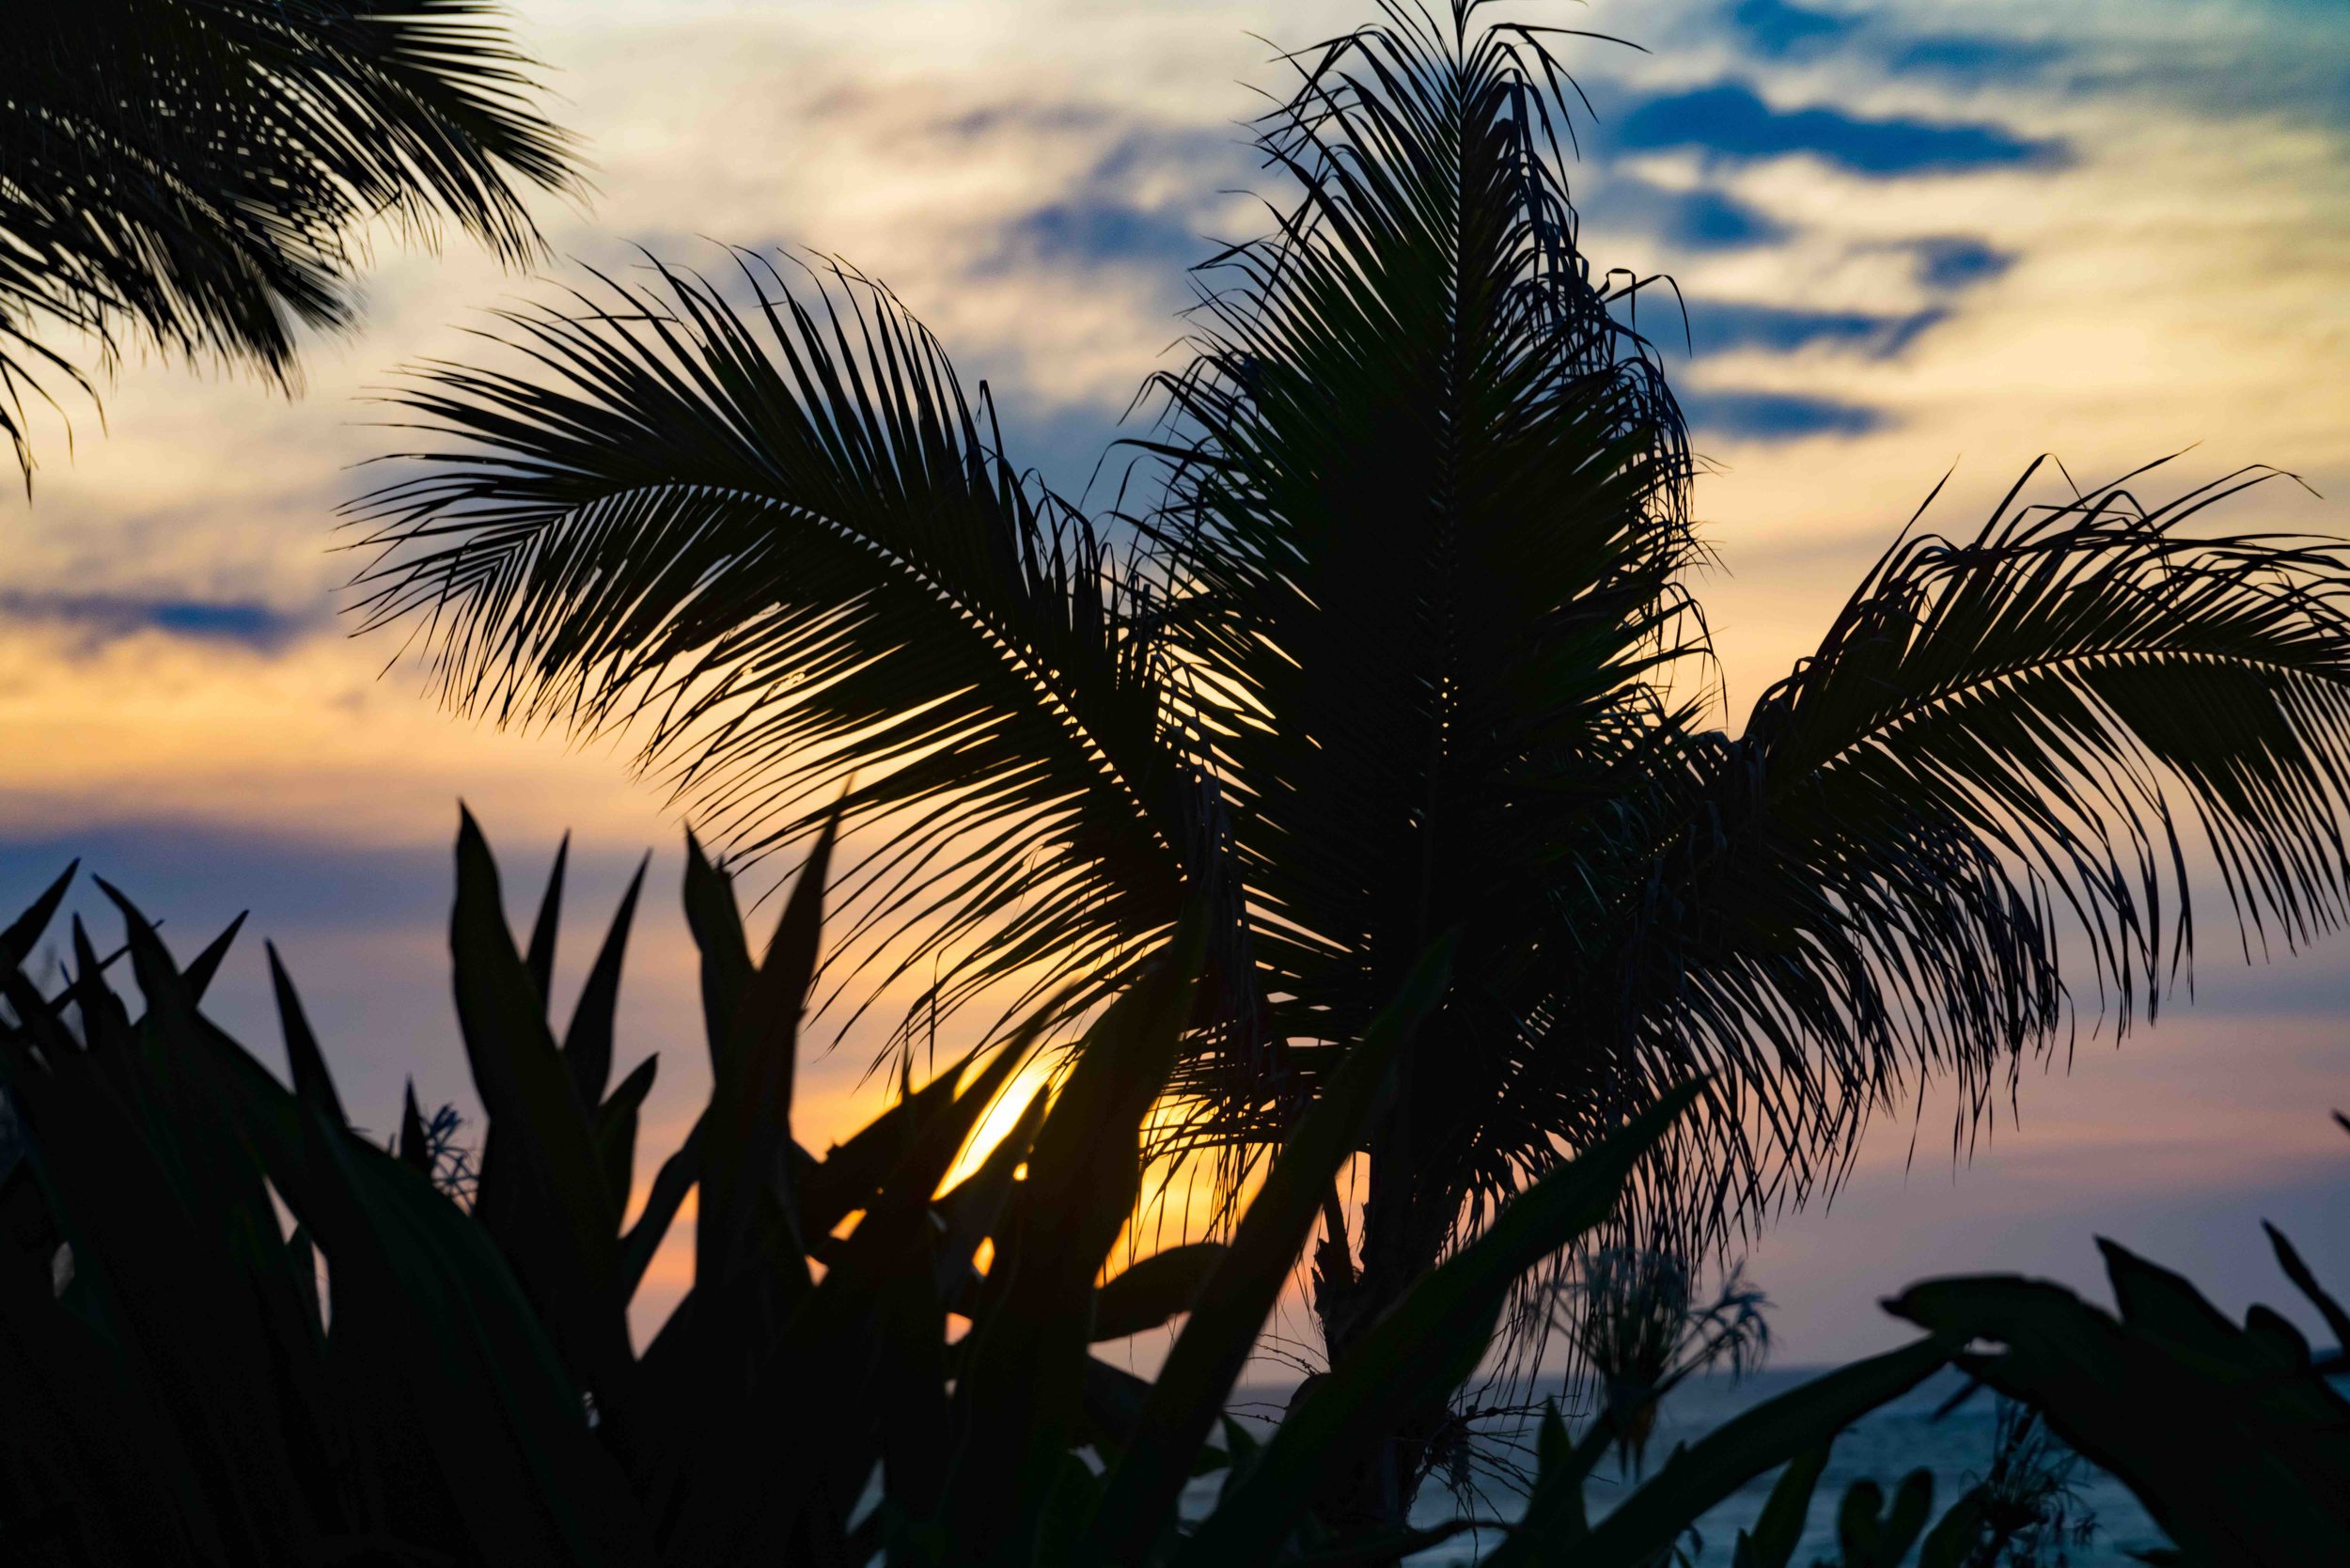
pixel 1883 1446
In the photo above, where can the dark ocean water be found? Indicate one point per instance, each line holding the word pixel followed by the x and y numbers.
pixel 1883 1446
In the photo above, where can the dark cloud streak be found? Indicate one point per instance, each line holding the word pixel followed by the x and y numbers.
pixel 112 617
pixel 1973 60
pixel 1698 219
pixel 1730 120
pixel 1777 416
pixel 1782 29
pixel 1721 326
pixel 1954 261
pixel 1101 233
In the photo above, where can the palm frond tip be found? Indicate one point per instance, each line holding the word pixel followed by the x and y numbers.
pixel 199 175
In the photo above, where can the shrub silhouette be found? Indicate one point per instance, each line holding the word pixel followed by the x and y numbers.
pixel 464 1389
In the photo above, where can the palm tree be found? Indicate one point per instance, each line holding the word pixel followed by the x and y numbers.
pixel 1401 645
pixel 197 173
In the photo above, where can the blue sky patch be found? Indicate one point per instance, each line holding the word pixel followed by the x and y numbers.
pixel 1730 120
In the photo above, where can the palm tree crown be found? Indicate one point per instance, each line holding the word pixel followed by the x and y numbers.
pixel 1402 647
pixel 198 171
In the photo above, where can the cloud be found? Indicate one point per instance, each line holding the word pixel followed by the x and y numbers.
pixel 109 617
pixel 1092 233
pixel 1952 261
pixel 1779 27
pixel 1782 29
pixel 1695 219
pixel 1975 59
pixel 1724 326
pixel 1730 120
pixel 2273 61
pixel 1773 417
pixel 203 872
pixel 1002 117
pixel 1149 205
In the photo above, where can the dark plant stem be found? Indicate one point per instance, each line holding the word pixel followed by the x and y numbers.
pixel 1374 1497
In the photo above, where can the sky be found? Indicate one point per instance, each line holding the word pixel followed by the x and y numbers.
pixel 1913 239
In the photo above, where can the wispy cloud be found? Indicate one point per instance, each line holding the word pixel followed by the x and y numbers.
pixel 1776 417
pixel 1970 60
pixel 107 617
pixel 1721 326
pixel 1698 218
pixel 1781 28
pixel 1951 261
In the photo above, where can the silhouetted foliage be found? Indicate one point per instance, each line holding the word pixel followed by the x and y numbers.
pixel 1393 636
pixel 2234 1439
pixel 197 174
pixel 1633 1318
pixel 464 1390
pixel 2231 1436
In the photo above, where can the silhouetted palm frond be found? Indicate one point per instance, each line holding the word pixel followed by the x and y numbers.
pixel 784 535
pixel 2009 747
pixel 1428 522
pixel 196 173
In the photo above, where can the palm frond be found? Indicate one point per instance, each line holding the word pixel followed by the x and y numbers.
pixel 196 174
pixel 781 536
pixel 1425 530
pixel 2010 749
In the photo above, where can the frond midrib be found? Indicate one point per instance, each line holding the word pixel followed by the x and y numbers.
pixel 1927 708
pixel 1060 693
